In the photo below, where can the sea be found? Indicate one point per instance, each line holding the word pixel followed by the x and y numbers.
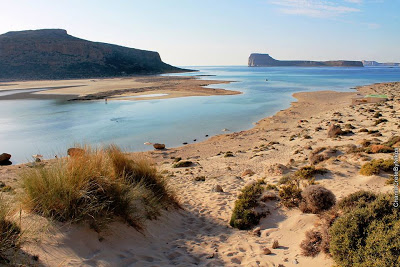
pixel 49 127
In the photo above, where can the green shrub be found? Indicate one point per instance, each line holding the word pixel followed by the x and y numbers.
pixel 180 164
pixel 290 194
pixel 316 198
pixel 375 166
pixel 356 200
pixel 10 233
pixel 285 179
pixel 97 186
pixel 271 187
pixel 244 215
pixel 308 172
pixel 367 236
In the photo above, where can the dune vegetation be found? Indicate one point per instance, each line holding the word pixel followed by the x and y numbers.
pixel 10 233
pixel 97 186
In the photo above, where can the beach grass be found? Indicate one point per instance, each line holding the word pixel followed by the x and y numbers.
pixel 10 232
pixel 96 187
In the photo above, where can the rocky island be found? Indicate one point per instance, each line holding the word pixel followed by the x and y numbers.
pixel 265 60
pixel 367 63
pixel 54 54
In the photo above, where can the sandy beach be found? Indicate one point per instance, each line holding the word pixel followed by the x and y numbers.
pixel 199 234
pixel 130 88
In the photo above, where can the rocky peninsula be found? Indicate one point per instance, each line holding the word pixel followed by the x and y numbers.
pixel 265 60
pixel 54 54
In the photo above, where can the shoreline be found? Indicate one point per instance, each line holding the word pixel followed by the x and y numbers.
pixel 277 145
pixel 114 88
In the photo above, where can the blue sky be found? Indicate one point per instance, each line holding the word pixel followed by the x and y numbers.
pixel 223 32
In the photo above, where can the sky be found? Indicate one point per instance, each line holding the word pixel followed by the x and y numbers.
pixel 223 32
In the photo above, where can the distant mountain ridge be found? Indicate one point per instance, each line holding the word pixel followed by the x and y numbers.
pixel 377 64
pixel 265 60
pixel 54 54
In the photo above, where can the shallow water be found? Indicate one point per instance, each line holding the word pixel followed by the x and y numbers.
pixel 49 127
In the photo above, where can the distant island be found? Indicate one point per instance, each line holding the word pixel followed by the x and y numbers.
pixel 54 54
pixel 377 64
pixel 265 60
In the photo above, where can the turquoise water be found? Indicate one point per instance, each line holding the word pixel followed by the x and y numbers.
pixel 49 127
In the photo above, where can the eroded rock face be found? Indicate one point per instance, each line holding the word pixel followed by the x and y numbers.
pixel 265 60
pixel 54 54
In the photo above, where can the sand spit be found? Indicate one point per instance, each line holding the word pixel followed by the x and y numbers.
pixel 199 235
pixel 116 88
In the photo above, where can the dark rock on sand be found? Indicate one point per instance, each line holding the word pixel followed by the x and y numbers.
pixel 159 146
pixel 5 159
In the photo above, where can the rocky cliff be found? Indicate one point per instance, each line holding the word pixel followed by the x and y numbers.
pixel 54 54
pixel 265 60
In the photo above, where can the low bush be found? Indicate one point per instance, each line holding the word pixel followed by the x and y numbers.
pixel 392 141
pixel 367 236
pixel 182 164
pixel 379 149
pixel 316 198
pixel 290 194
pixel 244 215
pixel 363 130
pixel 285 179
pixel 375 166
pixel 308 172
pixel 96 187
pixel 10 233
pixel 311 246
pixel 357 200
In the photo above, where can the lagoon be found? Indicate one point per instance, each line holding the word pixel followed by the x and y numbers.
pixel 49 127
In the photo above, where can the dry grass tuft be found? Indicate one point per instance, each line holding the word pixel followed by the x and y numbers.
pixel 10 233
pixel 96 187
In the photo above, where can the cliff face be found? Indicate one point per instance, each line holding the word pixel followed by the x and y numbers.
pixel 54 54
pixel 265 60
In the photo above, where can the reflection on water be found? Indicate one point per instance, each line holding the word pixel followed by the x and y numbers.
pixel 49 127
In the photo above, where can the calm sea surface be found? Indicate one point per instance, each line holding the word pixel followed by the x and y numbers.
pixel 49 127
